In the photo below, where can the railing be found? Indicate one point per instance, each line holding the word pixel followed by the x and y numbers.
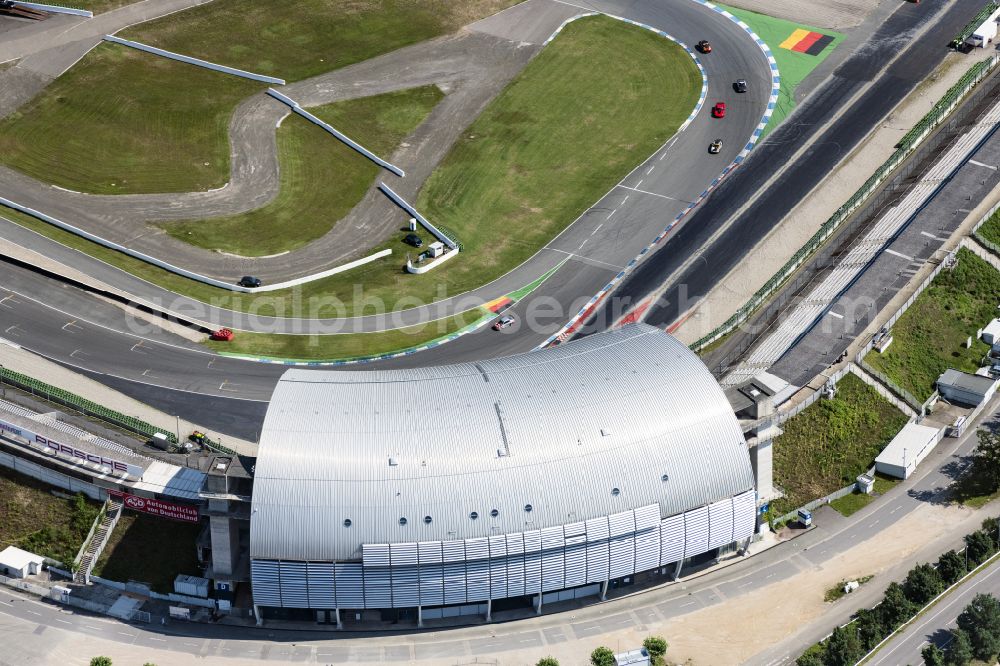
pixel 906 149
pixel 82 405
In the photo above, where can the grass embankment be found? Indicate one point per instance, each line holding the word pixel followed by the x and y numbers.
pixel 831 442
pixel 991 229
pixel 297 40
pixel 930 337
pixel 856 501
pixel 347 346
pixel 34 519
pixel 150 550
pixel 321 178
pixel 599 99
pixel 126 122
pixel 792 65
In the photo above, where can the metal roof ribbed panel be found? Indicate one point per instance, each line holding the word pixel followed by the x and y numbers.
pixel 600 426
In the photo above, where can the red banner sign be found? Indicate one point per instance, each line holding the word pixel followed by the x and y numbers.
pixel 157 507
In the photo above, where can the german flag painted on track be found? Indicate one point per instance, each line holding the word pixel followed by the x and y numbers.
pixel 805 41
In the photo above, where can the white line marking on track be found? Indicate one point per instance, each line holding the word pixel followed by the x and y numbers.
pixel 596 228
pixel 649 170
pixel 662 196
pixel 638 184
pixel 834 314
pixel 899 254
pixel 63 621
pixel 26 610
pixel 924 233
pixel 612 213
pixel 625 199
pixel 988 166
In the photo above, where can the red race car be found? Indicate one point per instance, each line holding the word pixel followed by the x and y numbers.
pixel 719 110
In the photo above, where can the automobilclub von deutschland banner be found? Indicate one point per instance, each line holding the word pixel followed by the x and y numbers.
pixel 184 512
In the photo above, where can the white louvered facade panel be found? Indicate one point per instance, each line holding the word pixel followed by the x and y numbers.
pixel 622 560
pixel 672 539
pixel 454 583
pixel 477 580
pixel 266 583
pixel 375 554
pixel 498 578
pixel 477 549
pixel 405 586
pixel 647 549
pixel 576 560
pixel 532 573
pixel 429 552
pixel 453 551
pixel 744 515
pixel 431 585
pixel 403 554
pixel 378 587
pixel 696 532
pixel 720 523
pixel 553 569
pixel 322 588
pixel 350 585
pixel 294 585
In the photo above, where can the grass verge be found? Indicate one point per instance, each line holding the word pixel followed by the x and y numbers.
pixel 973 489
pixel 837 591
pixel 347 346
pixel 599 99
pixel 34 519
pixel 831 442
pixel 930 337
pixel 151 550
pixel 321 178
pixel 302 39
pixel 125 122
pixel 991 229
pixel 850 504
pixel 792 65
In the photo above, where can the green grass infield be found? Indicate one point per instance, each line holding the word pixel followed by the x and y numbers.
pixel 321 178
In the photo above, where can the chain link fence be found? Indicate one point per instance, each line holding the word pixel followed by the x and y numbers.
pixel 811 264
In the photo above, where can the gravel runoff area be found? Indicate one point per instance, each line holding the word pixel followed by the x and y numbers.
pixel 801 223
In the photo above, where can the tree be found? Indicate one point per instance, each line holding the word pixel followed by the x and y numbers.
pixel 933 655
pixel 986 458
pixel 979 545
pixel 810 658
pixel 981 621
pixel 602 656
pixel 843 647
pixel 547 661
pixel 922 584
pixel 100 661
pixel 959 651
pixel 870 629
pixel 895 607
pixel 951 567
pixel 656 646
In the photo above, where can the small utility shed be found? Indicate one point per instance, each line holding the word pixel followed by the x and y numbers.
pixel 17 563
pixel 991 335
pixel 965 389
pixel 902 455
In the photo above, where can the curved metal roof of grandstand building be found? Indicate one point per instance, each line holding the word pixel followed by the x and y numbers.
pixel 605 424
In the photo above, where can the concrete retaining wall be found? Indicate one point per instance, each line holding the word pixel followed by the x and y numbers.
pixel 401 202
pixel 194 61
pixel 56 9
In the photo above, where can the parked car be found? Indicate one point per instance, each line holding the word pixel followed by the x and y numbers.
pixel 414 240
pixel 249 281
pixel 704 46
pixel 740 86
pixel 503 322
pixel 719 110
pixel 715 147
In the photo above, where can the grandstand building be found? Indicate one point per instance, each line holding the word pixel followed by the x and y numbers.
pixel 510 482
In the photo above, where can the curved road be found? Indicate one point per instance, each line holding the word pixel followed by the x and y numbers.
pixel 597 245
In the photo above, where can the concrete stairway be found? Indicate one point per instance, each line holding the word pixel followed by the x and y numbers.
pixel 94 547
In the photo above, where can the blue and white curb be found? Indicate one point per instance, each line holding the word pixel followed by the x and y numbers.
pixel 694 56
pixel 569 328
pixel 198 62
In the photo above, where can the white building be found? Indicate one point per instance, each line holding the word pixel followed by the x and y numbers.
pixel 17 563
pixel 965 389
pixel 532 478
pixel 910 446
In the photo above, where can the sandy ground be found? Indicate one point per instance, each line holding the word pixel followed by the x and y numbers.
pixel 833 14
pixel 798 226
